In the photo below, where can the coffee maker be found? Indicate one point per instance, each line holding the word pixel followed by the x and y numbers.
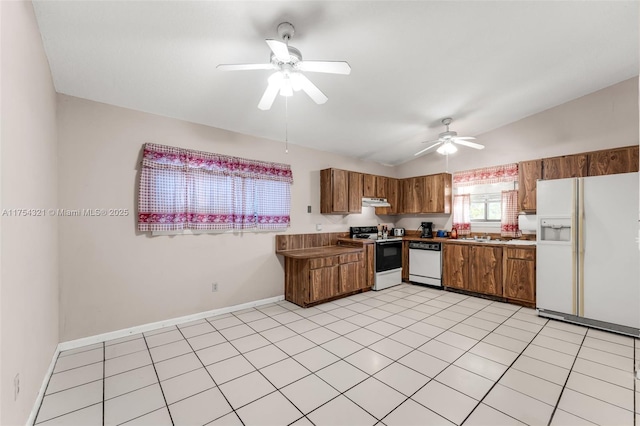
pixel 427 230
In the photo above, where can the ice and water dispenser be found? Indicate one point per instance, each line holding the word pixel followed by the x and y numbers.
pixel 555 229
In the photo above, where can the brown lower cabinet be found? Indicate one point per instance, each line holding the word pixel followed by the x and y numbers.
pixel 485 270
pixel 520 273
pixel 314 280
pixel 501 271
pixel 455 266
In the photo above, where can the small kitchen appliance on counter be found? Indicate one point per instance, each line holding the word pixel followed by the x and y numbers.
pixel 388 256
pixel 398 232
pixel 427 230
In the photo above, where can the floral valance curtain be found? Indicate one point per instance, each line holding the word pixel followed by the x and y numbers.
pixel 187 189
pixel 462 214
pixel 486 175
pixel 509 220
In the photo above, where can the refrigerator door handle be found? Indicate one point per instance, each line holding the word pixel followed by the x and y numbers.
pixel 574 260
pixel 581 245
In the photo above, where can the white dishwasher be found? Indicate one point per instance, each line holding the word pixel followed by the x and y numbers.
pixel 425 263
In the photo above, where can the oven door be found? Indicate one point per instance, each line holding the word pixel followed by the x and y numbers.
pixel 388 255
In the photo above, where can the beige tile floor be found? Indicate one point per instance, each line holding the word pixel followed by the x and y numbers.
pixel 408 355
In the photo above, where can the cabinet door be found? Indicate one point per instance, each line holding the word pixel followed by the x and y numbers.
pixel 381 187
pixel 613 161
pixel 485 271
pixel 369 186
pixel 455 266
pixel 528 174
pixel 351 277
pixel 355 192
pixel 323 283
pixel 334 191
pixel 567 166
pixel 437 194
pixel 520 280
pixel 414 193
pixel 392 196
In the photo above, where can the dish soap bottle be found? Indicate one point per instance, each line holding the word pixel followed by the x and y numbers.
pixel 454 233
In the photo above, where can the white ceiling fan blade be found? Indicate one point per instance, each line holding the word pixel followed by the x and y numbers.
pixel 279 49
pixel 331 67
pixel 464 138
pixel 244 67
pixel 469 144
pixel 269 96
pixel 311 90
pixel 427 148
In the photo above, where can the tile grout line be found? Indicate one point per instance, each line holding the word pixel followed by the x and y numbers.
pixel 104 379
pixel 502 375
pixel 233 410
pixel 382 337
pixel 159 385
pixel 396 361
pixel 452 363
pixel 555 408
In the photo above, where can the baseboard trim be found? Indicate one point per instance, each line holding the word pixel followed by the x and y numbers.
pixel 72 344
pixel 98 338
pixel 34 411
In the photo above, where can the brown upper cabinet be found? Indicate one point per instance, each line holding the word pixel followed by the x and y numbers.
pixel 528 174
pixel 340 191
pixel 375 186
pixel 392 196
pixel 566 166
pixel 369 187
pixel 613 161
pixel 427 194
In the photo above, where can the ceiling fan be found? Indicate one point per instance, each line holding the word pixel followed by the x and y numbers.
pixel 447 139
pixel 288 65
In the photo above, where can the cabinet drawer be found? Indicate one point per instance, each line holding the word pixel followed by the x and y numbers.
pixel 520 253
pixel 323 262
pixel 351 257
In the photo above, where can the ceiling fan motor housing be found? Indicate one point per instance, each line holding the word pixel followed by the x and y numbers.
pixel 448 134
pixel 286 31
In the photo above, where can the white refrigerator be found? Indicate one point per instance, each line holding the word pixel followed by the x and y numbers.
pixel 588 268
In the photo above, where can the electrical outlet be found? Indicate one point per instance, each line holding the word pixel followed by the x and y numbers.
pixel 308 209
pixel 16 386
pixel 214 287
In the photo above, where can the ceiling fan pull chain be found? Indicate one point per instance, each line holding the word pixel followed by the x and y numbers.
pixel 286 125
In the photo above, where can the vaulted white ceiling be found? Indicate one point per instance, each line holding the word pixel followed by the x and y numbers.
pixel 486 64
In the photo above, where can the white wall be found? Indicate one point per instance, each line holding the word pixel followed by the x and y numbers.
pixel 29 245
pixel 604 119
pixel 114 277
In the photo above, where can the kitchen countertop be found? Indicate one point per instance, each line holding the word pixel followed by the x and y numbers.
pixel 360 241
pixel 520 243
pixel 309 253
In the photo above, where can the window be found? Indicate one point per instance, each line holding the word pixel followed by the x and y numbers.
pixel 486 201
pixel 485 208
pixel 192 190
pixel 478 196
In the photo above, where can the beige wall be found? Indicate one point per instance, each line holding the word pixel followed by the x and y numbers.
pixel 29 245
pixel 604 119
pixel 113 277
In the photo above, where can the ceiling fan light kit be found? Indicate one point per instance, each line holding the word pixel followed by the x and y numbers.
pixel 287 62
pixel 447 141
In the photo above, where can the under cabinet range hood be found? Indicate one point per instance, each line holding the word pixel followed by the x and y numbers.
pixel 375 202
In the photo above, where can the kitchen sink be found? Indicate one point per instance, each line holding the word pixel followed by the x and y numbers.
pixel 522 242
pixel 492 241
